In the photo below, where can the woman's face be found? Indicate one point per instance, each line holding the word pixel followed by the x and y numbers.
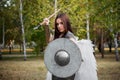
pixel 60 25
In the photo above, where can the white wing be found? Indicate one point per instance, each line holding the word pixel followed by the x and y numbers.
pixel 88 69
pixel 49 76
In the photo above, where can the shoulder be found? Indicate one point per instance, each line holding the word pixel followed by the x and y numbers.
pixel 69 35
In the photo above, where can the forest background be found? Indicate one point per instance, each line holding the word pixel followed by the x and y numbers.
pixel 97 20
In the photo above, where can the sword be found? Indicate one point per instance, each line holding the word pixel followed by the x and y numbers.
pixel 47 18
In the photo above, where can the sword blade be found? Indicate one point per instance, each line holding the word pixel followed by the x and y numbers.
pixel 54 14
pixel 47 18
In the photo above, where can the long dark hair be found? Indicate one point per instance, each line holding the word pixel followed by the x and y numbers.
pixel 66 23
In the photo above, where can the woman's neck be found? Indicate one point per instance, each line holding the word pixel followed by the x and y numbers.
pixel 61 35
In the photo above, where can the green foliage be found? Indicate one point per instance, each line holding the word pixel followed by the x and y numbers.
pixel 39 37
pixel 102 15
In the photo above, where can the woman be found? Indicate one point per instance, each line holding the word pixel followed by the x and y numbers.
pixel 63 30
pixel 63 27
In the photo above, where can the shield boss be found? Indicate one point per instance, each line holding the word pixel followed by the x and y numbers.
pixel 62 57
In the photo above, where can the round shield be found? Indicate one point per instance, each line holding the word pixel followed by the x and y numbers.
pixel 62 57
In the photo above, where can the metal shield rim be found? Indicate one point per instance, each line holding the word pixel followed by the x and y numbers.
pixel 75 55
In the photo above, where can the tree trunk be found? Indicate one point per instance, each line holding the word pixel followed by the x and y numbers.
pixel 23 34
pixel 3 44
pixel 102 43
pixel 0 53
pixel 116 47
pixel 87 27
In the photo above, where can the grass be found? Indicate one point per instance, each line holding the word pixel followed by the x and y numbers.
pixel 15 68
pixel 18 69
pixel 108 67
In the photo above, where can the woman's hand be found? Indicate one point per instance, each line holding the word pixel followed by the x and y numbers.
pixel 45 22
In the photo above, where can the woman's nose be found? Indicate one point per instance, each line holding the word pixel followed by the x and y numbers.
pixel 59 25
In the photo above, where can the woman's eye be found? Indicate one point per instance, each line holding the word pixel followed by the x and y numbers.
pixel 61 22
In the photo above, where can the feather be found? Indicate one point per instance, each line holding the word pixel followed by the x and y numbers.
pixel 88 68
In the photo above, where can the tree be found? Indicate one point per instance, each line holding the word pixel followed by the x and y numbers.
pixel 22 27
pixel 103 19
